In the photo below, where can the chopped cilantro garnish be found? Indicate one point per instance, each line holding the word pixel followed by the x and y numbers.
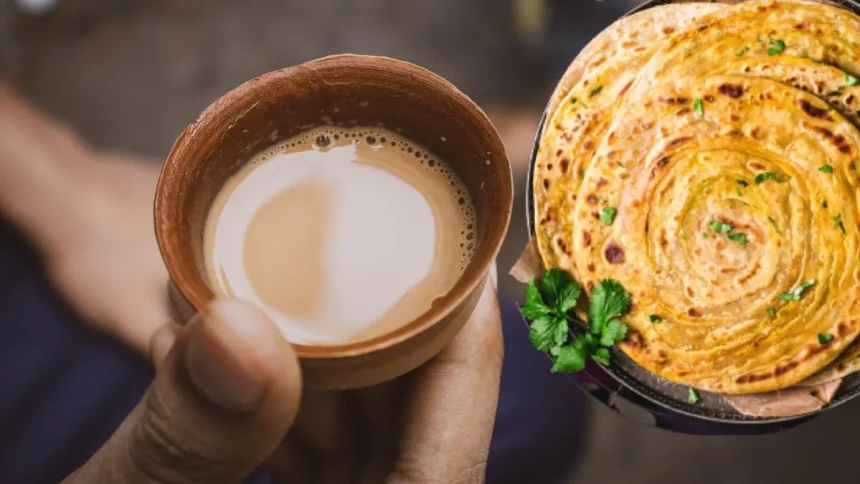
pixel 655 319
pixel 725 228
pixel 698 106
pixel 595 91
pixel 743 51
pixel 720 227
pixel 768 175
pixel 705 235
pixel 620 165
pixel 776 47
pixel 798 291
pixel 825 338
pixel 693 396
pixel 607 215
pixel 739 237
pixel 742 183
pixel 838 221
pixel 825 169
pixel 772 312
pixel 850 80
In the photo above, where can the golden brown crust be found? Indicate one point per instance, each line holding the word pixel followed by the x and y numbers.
pixel 650 166
pixel 582 108
pixel 677 173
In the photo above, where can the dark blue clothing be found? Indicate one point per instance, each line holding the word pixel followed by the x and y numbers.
pixel 64 389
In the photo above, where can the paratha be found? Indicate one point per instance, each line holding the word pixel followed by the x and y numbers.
pixel 762 30
pixel 627 37
pixel 685 182
pixel 818 54
pixel 582 109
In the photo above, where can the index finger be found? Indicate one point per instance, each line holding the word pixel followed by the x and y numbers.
pixel 451 403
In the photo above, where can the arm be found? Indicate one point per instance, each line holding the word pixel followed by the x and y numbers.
pixel 40 161
pixel 90 216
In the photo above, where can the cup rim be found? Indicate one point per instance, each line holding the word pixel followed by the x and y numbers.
pixel 195 289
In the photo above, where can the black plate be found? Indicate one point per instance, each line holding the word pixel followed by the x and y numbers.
pixel 642 396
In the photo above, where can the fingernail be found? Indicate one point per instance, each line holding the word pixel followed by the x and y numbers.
pixel 221 357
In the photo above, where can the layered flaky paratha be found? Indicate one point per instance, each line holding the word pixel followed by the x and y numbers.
pixel 629 38
pixel 583 107
pixel 669 161
pixel 672 172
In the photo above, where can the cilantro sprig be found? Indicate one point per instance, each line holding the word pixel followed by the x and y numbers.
pixel 549 302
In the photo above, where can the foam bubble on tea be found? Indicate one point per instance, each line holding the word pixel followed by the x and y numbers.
pixel 340 234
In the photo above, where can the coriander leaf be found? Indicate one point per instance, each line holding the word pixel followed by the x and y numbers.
pixel 743 51
pixel 771 312
pixel 776 47
pixel 838 221
pixel 569 359
pixel 825 169
pixel 705 235
pixel 595 91
pixel 601 356
pixel 738 237
pixel 698 106
pixel 768 175
pixel 589 342
pixel 551 285
pixel 607 215
pixel 567 297
pixel 720 227
pixel 693 396
pixel 543 330
pixel 561 332
pixel 534 307
pixel 614 332
pixel 825 338
pixel 655 319
pixel 743 183
pixel 608 300
pixel 850 80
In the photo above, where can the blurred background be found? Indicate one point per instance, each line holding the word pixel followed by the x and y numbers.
pixel 131 74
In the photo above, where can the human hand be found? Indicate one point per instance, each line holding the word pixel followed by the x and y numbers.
pixel 227 391
pixel 431 426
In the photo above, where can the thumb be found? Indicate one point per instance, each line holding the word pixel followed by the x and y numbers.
pixel 221 402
